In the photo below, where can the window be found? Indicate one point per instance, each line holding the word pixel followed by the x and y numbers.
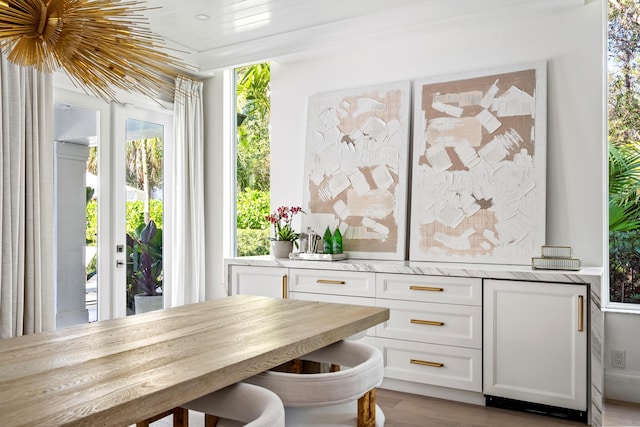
pixel 624 154
pixel 253 107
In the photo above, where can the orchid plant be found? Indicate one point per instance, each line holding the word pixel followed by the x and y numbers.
pixel 281 220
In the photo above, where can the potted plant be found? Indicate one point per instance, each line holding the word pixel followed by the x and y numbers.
pixel 284 235
pixel 144 281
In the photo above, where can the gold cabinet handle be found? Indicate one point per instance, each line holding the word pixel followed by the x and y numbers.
pixel 427 322
pixel 425 288
pixel 284 286
pixel 427 363
pixel 330 282
pixel 580 313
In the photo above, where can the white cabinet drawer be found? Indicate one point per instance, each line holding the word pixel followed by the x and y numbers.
pixel 447 324
pixel 449 290
pixel 332 282
pixel 252 280
pixel 444 366
pixel 369 302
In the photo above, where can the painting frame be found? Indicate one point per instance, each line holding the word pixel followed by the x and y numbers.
pixel 478 188
pixel 356 173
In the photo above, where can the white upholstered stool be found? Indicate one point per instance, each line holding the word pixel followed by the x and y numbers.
pixel 342 398
pixel 239 405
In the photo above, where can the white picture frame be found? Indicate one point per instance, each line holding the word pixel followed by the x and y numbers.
pixel 478 189
pixel 357 168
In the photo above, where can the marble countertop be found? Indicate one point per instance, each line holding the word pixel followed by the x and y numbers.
pixel 587 275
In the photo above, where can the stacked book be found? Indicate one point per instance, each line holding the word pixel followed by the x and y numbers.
pixel 555 258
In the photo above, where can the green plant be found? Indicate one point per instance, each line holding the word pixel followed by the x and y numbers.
pixel 624 266
pixel 252 242
pixel 92 268
pixel 251 209
pixel 281 220
pixel 253 102
pixel 134 217
pixel 92 223
pixel 624 176
pixel 135 214
pixel 144 247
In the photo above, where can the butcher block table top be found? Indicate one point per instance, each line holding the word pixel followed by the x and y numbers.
pixel 117 372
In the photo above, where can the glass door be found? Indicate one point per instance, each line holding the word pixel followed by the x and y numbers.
pixel 104 194
pixel 141 148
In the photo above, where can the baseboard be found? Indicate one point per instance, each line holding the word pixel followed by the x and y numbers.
pixel 622 385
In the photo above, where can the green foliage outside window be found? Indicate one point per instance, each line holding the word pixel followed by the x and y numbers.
pixel 624 151
pixel 134 217
pixel 252 228
pixel 252 208
pixel 253 162
pixel 252 242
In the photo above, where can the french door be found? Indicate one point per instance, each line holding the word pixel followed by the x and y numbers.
pixel 142 140
pixel 121 195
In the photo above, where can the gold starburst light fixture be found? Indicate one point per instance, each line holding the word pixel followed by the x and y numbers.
pixel 101 44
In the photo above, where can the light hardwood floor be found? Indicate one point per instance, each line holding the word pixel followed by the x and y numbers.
pixel 408 410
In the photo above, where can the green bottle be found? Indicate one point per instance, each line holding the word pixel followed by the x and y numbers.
pixel 327 244
pixel 337 241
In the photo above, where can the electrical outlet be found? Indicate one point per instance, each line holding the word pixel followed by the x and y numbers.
pixel 618 358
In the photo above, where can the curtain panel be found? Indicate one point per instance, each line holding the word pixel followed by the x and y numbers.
pixel 27 286
pixel 187 230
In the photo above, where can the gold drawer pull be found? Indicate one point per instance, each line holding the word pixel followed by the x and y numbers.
pixel 330 282
pixel 285 290
pixel 425 288
pixel 580 313
pixel 426 363
pixel 427 322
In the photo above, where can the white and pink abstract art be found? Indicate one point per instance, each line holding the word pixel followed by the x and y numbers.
pixel 478 191
pixel 356 168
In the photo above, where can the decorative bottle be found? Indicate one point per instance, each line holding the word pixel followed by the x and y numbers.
pixel 337 241
pixel 327 245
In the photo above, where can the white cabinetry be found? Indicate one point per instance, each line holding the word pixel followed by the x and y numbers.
pixel 457 332
pixel 434 332
pixel 345 287
pixel 535 342
pixel 263 281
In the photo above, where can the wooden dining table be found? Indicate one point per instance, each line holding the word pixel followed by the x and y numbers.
pixel 117 372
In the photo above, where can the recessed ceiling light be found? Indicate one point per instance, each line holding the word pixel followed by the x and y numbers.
pixel 202 17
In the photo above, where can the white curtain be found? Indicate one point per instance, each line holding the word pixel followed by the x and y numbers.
pixel 27 288
pixel 187 268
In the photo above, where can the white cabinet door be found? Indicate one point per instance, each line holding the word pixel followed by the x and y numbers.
pixel 264 281
pixel 535 342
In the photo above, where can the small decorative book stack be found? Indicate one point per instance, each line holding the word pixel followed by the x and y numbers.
pixel 555 258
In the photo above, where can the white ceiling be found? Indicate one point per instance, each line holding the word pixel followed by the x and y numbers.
pixel 236 29
pixel 239 21
pixel 243 31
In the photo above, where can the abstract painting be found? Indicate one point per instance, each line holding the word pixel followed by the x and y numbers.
pixel 478 191
pixel 356 168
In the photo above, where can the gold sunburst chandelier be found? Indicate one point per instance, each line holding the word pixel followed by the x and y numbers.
pixel 101 44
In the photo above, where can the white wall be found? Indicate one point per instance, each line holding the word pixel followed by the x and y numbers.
pixel 571 40
pixel 621 333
